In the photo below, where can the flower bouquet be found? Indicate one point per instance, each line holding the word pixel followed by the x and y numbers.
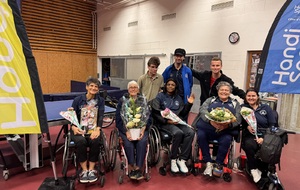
pixel 70 115
pixel 135 114
pixel 168 114
pixel 220 115
pixel 249 116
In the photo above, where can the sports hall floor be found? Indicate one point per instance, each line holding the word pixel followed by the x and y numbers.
pixel 31 180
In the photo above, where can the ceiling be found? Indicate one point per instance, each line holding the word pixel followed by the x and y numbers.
pixel 111 4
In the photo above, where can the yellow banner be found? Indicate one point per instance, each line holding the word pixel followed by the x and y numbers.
pixel 18 111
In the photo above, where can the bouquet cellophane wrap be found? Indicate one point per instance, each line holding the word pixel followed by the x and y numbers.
pixel 249 116
pixel 134 113
pixel 168 114
pixel 70 115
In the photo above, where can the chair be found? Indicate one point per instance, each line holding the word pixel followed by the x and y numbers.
pixel 69 155
pixel 116 147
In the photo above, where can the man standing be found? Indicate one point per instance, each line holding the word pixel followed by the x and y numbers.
pixel 181 73
pixel 210 79
pixel 151 83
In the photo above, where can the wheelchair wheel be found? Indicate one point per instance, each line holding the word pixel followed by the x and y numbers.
pixel 156 143
pixel 72 185
pixel 105 153
pixel 66 155
pixel 120 179
pixel 113 148
pixel 227 177
pixel 231 157
pixel 108 120
pixel 195 150
pixel 102 181
pixel 151 154
pixel 163 171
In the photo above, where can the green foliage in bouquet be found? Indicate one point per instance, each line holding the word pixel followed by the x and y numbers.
pixel 221 115
pixel 134 112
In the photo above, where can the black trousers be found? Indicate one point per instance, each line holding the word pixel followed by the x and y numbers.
pixel 182 137
pixel 82 143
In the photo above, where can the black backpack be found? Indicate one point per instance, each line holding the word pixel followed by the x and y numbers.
pixel 271 148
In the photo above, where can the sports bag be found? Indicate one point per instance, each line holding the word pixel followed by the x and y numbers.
pixel 271 148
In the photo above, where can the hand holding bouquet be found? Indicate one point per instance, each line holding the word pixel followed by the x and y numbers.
pixel 168 114
pixel 70 115
pixel 249 116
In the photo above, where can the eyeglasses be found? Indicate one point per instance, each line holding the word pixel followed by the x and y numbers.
pixel 133 87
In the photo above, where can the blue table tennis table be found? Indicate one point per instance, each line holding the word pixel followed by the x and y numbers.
pixel 55 119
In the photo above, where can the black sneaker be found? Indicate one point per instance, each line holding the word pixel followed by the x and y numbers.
pixel 83 177
pixel 139 175
pixel 132 174
pixel 92 176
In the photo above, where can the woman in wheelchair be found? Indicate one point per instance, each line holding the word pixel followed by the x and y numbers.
pixel 265 119
pixel 89 109
pixel 182 135
pixel 223 132
pixel 133 146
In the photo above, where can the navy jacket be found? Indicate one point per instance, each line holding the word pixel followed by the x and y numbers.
pixel 174 103
pixel 264 118
pixel 81 101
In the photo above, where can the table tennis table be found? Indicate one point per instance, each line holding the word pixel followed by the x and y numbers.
pixel 55 119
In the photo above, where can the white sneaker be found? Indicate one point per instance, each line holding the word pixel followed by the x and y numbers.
pixel 182 166
pixel 174 167
pixel 208 169
pixel 256 174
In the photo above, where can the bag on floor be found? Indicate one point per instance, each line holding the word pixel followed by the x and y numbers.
pixel 271 148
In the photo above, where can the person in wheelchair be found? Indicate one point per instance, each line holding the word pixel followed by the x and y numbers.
pixel 133 146
pixel 265 119
pixel 182 135
pixel 209 130
pixel 89 109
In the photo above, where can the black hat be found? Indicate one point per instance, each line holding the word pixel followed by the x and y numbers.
pixel 179 51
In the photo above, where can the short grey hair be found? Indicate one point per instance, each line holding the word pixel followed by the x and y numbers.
pixel 132 82
pixel 223 83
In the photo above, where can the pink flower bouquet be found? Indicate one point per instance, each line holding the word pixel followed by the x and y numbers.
pixel 168 114
pixel 249 116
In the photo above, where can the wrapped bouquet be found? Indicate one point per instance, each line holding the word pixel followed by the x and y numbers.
pixel 70 115
pixel 220 115
pixel 168 114
pixel 135 113
pixel 249 116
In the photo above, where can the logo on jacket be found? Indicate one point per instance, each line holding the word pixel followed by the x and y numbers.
pixel 176 103
pixel 263 112
pixel 186 75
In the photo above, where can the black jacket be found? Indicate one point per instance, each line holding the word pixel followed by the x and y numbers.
pixel 206 92
pixel 175 103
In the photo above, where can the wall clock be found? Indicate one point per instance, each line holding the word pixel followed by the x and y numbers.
pixel 234 37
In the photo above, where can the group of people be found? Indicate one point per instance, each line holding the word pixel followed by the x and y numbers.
pixel 173 90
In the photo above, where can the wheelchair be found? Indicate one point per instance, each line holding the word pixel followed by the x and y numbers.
pixel 228 162
pixel 116 148
pixel 162 140
pixel 268 170
pixel 69 157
